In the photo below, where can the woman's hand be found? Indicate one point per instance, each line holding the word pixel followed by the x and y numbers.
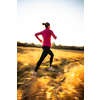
pixel 41 41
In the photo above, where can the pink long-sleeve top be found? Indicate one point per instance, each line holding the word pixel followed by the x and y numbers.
pixel 46 34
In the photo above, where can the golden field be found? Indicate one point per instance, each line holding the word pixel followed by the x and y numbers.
pixel 65 83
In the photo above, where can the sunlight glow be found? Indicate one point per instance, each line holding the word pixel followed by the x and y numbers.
pixel 66 19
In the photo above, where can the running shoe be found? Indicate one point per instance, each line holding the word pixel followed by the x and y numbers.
pixel 33 73
pixel 51 68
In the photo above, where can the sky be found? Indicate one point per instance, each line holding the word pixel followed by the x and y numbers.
pixel 66 18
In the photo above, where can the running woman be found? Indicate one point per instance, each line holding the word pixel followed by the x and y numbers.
pixel 46 34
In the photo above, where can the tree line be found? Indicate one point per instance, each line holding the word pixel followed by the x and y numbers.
pixel 53 45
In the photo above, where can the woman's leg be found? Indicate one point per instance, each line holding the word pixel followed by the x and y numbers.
pixel 51 58
pixel 44 54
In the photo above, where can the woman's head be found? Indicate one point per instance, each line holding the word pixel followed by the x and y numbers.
pixel 47 25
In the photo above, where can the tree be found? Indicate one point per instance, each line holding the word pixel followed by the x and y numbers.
pixel 53 45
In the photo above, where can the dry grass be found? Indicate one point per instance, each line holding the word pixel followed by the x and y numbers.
pixel 65 83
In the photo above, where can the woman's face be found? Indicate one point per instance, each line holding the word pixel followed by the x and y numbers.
pixel 49 27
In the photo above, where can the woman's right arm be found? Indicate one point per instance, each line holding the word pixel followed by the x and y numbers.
pixel 39 33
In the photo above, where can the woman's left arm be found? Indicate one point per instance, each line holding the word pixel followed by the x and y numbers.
pixel 54 36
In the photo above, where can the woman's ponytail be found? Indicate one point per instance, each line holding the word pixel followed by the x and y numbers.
pixel 43 23
pixel 46 24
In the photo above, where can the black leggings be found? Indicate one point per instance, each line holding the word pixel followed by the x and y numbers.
pixel 46 50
